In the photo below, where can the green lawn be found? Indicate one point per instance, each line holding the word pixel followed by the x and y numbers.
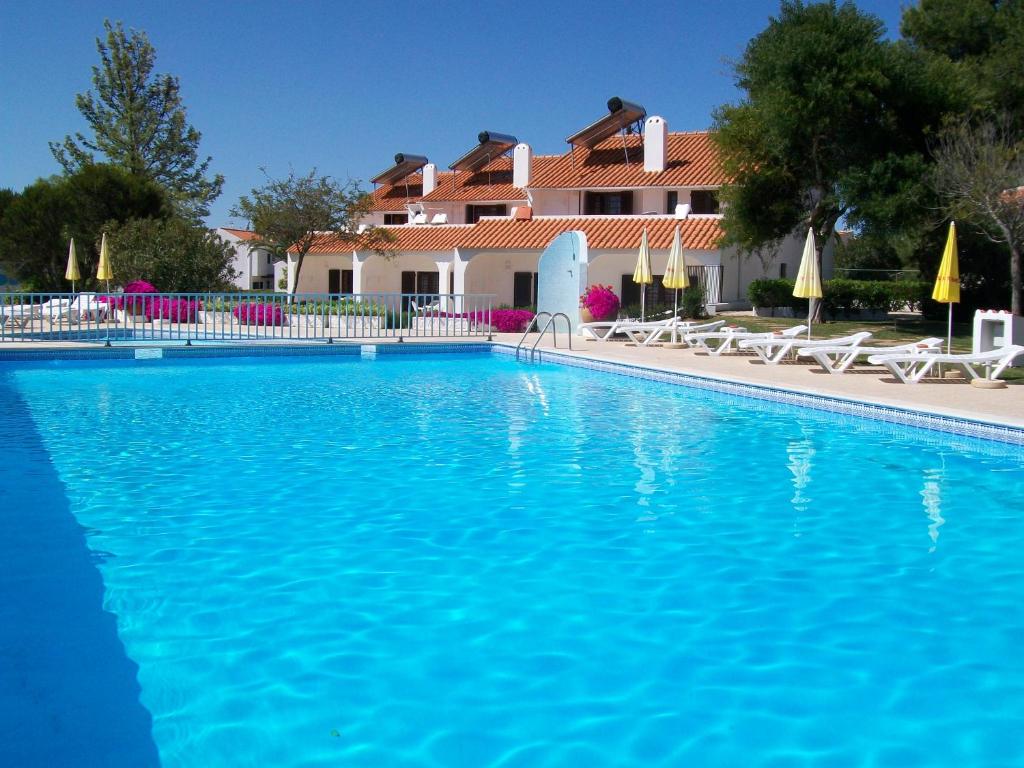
pixel 898 331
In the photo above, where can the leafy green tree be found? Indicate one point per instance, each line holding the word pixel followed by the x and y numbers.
pixel 984 39
pixel 173 254
pixel 292 214
pixel 832 125
pixel 138 123
pixel 37 223
pixel 978 171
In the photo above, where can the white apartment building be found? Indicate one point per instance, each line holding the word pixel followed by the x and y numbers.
pixel 481 225
pixel 254 267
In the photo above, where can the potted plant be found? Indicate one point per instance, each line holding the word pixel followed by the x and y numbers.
pixel 597 303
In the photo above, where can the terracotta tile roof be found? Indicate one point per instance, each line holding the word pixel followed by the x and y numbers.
pixel 692 162
pixel 493 182
pixel 241 234
pixel 393 197
pixel 603 233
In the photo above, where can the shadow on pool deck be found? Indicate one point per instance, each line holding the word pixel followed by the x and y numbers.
pixel 68 693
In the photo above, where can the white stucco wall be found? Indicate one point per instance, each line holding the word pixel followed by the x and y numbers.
pixel 250 264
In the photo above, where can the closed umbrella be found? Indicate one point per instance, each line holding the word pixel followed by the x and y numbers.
pixel 103 270
pixel 642 274
pixel 947 282
pixel 72 273
pixel 676 276
pixel 808 279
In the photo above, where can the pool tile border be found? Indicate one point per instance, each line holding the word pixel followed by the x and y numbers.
pixel 905 416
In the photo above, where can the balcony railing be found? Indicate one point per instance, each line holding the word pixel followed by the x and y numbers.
pixel 202 317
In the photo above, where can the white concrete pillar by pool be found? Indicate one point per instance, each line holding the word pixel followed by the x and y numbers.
pixel 655 144
pixel 562 276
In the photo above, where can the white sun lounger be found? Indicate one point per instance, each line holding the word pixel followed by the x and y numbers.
pixel 773 350
pixel 719 342
pixel 646 334
pixel 603 330
pixel 910 369
pixel 839 358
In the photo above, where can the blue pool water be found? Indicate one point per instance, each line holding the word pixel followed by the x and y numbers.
pixel 458 560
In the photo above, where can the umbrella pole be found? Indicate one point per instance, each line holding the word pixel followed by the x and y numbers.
pixel 810 317
pixel 643 293
pixel 949 331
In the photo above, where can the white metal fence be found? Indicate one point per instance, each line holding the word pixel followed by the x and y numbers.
pixel 198 317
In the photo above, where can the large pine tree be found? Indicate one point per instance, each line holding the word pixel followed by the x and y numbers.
pixel 139 124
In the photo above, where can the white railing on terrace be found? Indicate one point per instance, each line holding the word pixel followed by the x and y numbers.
pixel 188 317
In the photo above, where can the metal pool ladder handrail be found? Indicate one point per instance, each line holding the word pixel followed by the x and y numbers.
pixel 554 331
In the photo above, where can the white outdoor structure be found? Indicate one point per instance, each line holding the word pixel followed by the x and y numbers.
pixel 254 266
pixel 501 209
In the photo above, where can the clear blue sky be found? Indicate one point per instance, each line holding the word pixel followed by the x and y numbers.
pixel 343 86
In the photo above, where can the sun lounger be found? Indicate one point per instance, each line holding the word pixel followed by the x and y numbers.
pixel 839 358
pixel 911 368
pixel 722 341
pixel 646 334
pixel 773 350
pixel 603 330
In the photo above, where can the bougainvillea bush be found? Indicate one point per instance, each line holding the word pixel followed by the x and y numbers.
pixel 136 305
pixel 601 301
pixel 259 314
pixel 505 320
pixel 175 310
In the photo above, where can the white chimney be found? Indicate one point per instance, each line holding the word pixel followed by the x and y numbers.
pixel 429 178
pixel 522 165
pixel 655 144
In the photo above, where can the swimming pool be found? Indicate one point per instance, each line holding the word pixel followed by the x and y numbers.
pixel 458 560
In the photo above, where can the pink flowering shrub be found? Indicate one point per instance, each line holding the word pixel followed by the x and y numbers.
pixel 175 310
pixel 259 314
pixel 505 320
pixel 140 286
pixel 601 301
pixel 134 304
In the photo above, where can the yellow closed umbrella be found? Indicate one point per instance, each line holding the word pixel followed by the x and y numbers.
pixel 676 276
pixel 947 282
pixel 642 274
pixel 808 279
pixel 103 270
pixel 72 273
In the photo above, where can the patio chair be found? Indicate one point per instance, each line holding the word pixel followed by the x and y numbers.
pixel 719 342
pixel 647 334
pixel 911 368
pixel 773 350
pixel 838 359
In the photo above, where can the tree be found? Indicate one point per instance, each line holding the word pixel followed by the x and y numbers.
pixel 139 124
pixel 984 39
pixel 37 223
pixel 292 214
pixel 173 254
pixel 978 172
pixel 831 126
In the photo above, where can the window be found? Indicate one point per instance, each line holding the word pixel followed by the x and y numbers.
pixel 339 281
pixel 396 219
pixel 655 293
pixel 607 203
pixel 782 270
pixel 704 201
pixel 268 259
pixel 474 212
pixel 524 289
pixel 671 201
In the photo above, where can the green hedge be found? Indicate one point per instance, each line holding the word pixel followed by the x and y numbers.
pixel 845 297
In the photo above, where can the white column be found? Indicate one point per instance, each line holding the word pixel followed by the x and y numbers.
pixel 443 270
pixel 358 259
pixel 460 262
pixel 291 275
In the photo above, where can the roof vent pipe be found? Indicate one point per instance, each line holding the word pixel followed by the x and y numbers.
pixel 522 165
pixel 655 144
pixel 429 178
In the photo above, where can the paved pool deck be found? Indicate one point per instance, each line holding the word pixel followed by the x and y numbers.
pixel 870 384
